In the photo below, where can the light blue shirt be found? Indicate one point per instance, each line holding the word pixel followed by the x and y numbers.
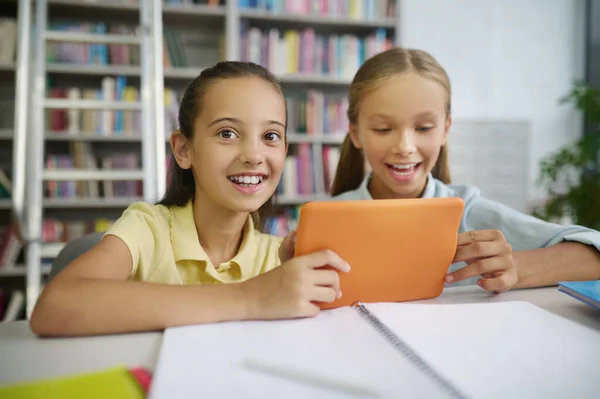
pixel 522 231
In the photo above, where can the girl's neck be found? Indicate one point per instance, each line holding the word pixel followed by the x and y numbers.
pixel 220 231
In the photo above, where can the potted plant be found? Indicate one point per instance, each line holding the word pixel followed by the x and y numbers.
pixel 571 176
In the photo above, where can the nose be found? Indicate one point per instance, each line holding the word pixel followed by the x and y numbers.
pixel 405 143
pixel 252 152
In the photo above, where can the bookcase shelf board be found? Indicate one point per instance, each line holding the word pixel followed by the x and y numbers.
pixel 274 19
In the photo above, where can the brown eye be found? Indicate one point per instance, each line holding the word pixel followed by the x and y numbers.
pixel 227 134
pixel 272 136
pixel 424 129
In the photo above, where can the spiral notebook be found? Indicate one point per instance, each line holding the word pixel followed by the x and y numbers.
pixel 385 350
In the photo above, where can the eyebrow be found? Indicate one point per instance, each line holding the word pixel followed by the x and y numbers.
pixel 419 115
pixel 236 120
pixel 427 113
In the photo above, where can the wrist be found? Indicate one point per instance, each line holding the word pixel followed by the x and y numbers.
pixel 248 306
pixel 197 304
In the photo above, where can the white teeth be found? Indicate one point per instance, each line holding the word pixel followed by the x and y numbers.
pixel 405 166
pixel 405 169
pixel 246 179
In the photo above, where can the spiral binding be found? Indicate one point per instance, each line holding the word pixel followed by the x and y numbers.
pixel 408 352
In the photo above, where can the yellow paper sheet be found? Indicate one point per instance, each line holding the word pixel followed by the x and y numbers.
pixel 114 383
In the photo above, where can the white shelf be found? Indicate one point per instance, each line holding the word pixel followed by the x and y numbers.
pixel 196 9
pixel 168 9
pixel 321 138
pixel 55 103
pixel 7 67
pixel 266 16
pixel 78 37
pixel 50 250
pixel 20 270
pixel 184 73
pixel 80 203
pixel 82 174
pixel 6 134
pixel 119 70
pixel 97 4
pixel 88 203
pixel 83 69
pixel 5 203
pixel 302 78
pixel 328 138
pixel 92 137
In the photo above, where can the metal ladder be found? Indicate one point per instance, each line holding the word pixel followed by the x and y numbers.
pixel 29 173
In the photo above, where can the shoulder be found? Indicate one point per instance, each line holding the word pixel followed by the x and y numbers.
pixel 266 241
pixel 475 206
pixel 140 218
pixel 359 193
pixel 347 196
pixel 467 193
pixel 145 213
pixel 144 228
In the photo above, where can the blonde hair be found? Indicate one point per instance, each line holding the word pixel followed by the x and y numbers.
pixel 351 167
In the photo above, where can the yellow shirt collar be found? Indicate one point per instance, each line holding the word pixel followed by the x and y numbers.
pixel 185 244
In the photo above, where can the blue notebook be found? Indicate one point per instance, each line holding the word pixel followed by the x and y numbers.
pixel 586 291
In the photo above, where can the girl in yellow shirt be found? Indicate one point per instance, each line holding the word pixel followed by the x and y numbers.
pixel 196 256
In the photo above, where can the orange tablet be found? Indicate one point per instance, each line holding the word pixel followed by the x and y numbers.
pixel 398 250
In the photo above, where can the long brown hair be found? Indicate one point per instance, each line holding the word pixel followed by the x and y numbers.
pixel 350 171
pixel 181 186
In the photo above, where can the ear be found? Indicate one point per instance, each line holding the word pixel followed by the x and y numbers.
pixel 352 131
pixel 446 130
pixel 181 149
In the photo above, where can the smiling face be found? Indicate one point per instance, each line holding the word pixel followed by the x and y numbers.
pixel 238 148
pixel 401 126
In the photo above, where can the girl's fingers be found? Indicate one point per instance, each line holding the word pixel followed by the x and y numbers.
pixel 473 236
pixel 327 278
pixel 323 294
pixel 477 268
pixel 479 250
pixel 498 284
pixel 323 258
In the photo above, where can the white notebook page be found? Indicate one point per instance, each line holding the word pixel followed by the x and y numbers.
pixel 500 350
pixel 208 360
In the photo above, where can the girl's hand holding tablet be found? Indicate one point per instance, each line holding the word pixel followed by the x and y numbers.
pixel 487 254
pixel 291 289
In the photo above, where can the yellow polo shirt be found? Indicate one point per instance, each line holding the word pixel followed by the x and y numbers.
pixel 165 249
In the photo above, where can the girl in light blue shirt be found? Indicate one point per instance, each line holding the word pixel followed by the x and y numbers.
pixel 399 113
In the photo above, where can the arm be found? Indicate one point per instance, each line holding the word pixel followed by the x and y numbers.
pixel 93 296
pixel 567 261
pixel 525 251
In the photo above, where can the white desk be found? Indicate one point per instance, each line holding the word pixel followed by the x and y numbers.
pixel 26 357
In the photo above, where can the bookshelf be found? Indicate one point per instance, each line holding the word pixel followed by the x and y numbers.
pixel 95 77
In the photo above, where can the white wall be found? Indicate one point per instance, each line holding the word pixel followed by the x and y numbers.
pixel 506 59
